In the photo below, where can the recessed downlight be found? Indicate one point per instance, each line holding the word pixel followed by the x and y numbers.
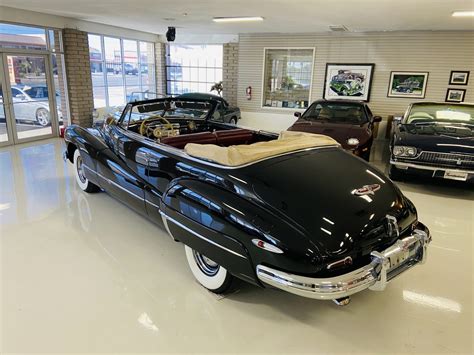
pixel 463 14
pixel 237 19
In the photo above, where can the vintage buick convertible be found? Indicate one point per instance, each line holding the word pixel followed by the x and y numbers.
pixel 293 211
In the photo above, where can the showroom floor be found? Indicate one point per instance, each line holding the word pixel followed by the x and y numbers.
pixel 83 273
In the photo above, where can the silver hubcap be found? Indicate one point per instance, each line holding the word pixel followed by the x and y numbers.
pixel 80 169
pixel 206 265
pixel 42 116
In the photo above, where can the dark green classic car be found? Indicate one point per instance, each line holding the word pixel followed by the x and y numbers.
pixel 223 113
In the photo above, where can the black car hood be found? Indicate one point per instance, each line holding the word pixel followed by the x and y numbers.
pixel 314 190
pixel 444 137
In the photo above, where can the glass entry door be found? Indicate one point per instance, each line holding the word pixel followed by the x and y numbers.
pixel 28 97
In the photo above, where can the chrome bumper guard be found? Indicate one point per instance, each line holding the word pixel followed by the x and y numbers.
pixel 386 265
pixel 405 165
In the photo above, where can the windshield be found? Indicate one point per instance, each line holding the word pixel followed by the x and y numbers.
pixel 170 109
pixel 440 113
pixel 336 112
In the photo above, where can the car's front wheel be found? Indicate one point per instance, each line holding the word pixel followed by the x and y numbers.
pixel 42 116
pixel 81 179
pixel 207 272
pixel 233 121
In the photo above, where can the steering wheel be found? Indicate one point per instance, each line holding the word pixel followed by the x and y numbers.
pixel 146 130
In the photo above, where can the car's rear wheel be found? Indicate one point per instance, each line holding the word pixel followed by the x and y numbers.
pixel 395 174
pixel 81 179
pixel 233 121
pixel 207 272
pixel 42 116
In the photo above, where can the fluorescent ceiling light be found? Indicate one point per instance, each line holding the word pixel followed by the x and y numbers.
pixel 463 14
pixel 237 19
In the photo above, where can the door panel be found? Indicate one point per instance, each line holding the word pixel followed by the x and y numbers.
pixel 120 173
pixel 117 179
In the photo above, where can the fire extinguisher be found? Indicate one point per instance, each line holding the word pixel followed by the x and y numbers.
pixel 248 91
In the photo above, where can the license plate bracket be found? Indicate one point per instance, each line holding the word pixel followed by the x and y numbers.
pixel 455 175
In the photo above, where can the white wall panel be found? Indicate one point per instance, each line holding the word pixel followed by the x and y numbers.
pixel 435 52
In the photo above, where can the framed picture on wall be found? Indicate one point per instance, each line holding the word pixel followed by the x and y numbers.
pixel 408 84
pixel 348 81
pixel 287 77
pixel 455 95
pixel 459 77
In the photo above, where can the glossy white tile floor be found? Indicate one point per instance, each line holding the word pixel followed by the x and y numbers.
pixel 83 273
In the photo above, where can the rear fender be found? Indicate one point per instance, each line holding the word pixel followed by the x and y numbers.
pixel 222 224
pixel 214 222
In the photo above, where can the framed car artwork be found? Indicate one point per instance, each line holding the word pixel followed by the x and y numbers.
pixel 348 81
pixel 408 84
pixel 455 95
pixel 459 77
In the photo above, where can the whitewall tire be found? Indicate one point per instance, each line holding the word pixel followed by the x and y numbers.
pixel 82 181
pixel 207 272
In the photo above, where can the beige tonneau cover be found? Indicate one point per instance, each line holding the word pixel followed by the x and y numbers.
pixel 237 155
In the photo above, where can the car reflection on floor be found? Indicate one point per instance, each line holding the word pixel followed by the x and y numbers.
pixel 101 278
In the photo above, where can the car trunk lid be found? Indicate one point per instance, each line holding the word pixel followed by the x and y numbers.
pixel 338 201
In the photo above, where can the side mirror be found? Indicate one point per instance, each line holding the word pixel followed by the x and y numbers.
pixel 377 119
pixel 397 119
pixel 21 97
pixel 297 114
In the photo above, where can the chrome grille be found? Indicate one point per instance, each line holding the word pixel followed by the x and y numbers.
pixel 446 159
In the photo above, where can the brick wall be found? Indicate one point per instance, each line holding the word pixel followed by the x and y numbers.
pixel 79 81
pixel 160 59
pixel 230 72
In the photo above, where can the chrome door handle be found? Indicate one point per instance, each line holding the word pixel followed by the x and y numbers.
pixel 152 162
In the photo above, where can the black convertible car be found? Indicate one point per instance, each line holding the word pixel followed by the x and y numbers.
pixel 434 139
pixel 293 211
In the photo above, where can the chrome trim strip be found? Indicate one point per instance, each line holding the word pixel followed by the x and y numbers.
pixel 92 171
pixel 163 215
pixel 117 185
pixel 427 167
pixel 182 154
pixel 385 266
pixel 151 203
pixel 165 223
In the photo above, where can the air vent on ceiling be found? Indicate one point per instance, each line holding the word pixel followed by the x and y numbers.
pixel 338 28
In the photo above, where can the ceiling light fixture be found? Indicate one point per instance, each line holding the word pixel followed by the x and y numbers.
pixel 237 19
pixel 463 14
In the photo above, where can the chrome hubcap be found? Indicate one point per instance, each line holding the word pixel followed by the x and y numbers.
pixel 42 117
pixel 80 169
pixel 206 265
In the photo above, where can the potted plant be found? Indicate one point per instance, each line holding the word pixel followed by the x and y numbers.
pixel 218 87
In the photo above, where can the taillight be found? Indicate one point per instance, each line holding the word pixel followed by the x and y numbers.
pixel 267 246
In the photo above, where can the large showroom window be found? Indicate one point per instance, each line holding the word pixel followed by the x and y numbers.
pixel 287 77
pixel 122 69
pixel 192 68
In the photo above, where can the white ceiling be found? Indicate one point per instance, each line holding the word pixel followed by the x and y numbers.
pixel 280 15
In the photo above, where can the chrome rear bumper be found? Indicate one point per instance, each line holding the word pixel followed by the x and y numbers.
pixel 386 265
